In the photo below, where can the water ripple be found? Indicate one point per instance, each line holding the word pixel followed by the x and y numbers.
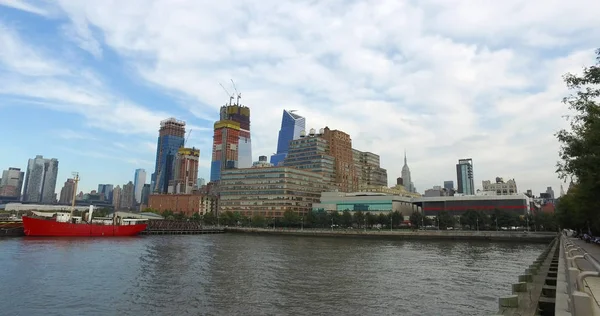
pixel 256 275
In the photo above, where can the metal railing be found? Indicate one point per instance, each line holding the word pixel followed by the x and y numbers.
pixel 580 302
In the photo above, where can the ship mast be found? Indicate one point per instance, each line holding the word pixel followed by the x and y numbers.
pixel 76 180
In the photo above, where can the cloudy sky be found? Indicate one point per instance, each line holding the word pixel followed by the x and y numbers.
pixel 88 82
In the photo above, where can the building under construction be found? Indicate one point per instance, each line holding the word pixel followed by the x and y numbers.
pixel 232 146
pixel 185 171
pixel 171 137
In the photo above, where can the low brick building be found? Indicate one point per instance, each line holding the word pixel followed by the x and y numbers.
pixel 187 204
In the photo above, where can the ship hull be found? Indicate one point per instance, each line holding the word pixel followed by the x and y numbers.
pixel 48 228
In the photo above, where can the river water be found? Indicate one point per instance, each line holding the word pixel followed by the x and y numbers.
pixel 231 274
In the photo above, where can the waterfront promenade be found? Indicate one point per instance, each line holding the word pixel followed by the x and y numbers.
pixel 500 236
pixel 580 293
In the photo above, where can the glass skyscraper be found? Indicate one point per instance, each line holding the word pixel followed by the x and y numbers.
pixel 291 126
pixel 171 137
pixel 40 180
pixel 464 177
pixel 139 180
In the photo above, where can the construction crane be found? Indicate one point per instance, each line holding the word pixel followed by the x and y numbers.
pixel 188 137
pixel 230 95
pixel 239 95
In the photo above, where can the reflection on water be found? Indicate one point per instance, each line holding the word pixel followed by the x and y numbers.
pixel 250 275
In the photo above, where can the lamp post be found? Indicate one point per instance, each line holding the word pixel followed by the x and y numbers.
pixel 302 223
pixel 477 223
pixel 332 223
pixel 496 220
pixel 391 222
pixel 365 223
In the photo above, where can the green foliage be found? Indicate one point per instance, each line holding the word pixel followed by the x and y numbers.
pixel 416 219
pixel 209 219
pixel 290 219
pixel 258 221
pixel 474 219
pixel 445 220
pixel 580 151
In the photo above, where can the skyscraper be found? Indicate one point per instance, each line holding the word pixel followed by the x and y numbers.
pixel 464 177
pixel 139 179
pixel 40 180
pixel 67 192
pixel 449 185
pixel 232 147
pixel 291 126
pixel 127 196
pixel 12 182
pixel 116 199
pixel 107 191
pixel 171 137
pixel 406 179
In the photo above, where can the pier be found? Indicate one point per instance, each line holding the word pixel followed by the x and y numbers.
pixel 174 227
pixel 11 229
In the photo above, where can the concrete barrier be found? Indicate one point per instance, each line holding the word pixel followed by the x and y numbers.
pixel 534 293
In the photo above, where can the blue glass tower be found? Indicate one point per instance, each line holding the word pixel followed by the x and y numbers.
pixel 291 126
pixel 171 137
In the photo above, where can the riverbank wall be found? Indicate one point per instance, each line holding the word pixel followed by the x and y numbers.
pixel 504 236
pixel 535 292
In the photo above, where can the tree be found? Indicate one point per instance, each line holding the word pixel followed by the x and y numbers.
pixel 258 220
pixel 346 218
pixel 290 218
pixel 445 220
pixel 196 217
pixel 580 151
pixel 371 219
pixel 359 218
pixel 382 219
pixel 474 219
pixel 209 218
pixel 416 219
pixel 397 218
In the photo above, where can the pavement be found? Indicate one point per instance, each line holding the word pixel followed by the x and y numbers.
pixel 592 284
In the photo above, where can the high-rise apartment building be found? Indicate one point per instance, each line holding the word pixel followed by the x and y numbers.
pixel 139 180
pixel 232 146
pixel 464 177
pixel 107 191
pixel 550 192
pixel 340 147
pixel 116 197
pixel 12 182
pixel 186 171
pixel 171 137
pixel 40 180
pixel 291 126
pixel 127 196
pixel 368 169
pixel 311 153
pixel 67 192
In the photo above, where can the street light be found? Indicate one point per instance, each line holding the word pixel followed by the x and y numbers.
pixel 496 219
pixel 302 224
pixel 332 223
pixel 391 222
pixel 365 223
pixel 477 223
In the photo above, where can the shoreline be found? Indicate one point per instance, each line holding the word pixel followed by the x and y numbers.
pixel 504 236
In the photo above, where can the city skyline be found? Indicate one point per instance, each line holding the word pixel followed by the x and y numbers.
pixel 98 98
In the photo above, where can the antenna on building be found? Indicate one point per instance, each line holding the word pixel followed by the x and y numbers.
pixel 230 95
pixel 239 95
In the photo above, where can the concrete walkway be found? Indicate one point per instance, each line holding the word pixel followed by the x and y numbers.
pixel 592 284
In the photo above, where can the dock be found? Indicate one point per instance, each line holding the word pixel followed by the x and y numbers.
pixel 184 227
pixel 11 229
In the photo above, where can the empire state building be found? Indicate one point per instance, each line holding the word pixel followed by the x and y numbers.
pixel 408 184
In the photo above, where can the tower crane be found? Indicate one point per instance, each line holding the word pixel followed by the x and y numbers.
pixel 230 95
pixel 187 138
pixel 239 95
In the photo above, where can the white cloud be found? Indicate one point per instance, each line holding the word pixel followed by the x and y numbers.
pixel 24 6
pixel 443 79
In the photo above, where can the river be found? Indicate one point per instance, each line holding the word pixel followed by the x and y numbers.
pixel 236 274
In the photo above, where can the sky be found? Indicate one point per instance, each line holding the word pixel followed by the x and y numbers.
pixel 88 82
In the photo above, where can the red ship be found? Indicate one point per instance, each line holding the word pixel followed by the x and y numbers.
pixel 52 227
pixel 67 225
